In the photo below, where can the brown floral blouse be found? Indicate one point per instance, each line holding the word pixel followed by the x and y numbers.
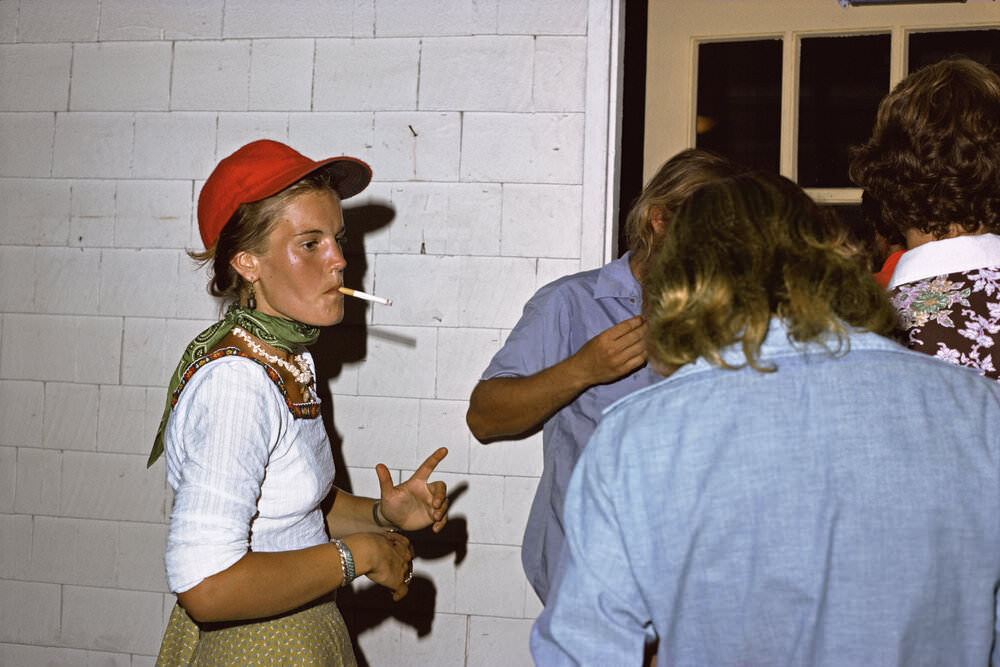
pixel 955 317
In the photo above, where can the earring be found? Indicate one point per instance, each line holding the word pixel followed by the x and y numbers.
pixel 252 299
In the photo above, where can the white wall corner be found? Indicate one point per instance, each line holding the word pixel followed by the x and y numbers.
pixel 601 132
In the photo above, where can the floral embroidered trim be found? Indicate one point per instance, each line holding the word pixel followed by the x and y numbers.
pixel 299 369
pixel 298 410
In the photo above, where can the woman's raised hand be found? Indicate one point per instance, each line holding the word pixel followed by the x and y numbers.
pixel 416 503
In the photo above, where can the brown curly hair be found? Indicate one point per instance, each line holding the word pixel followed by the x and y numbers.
pixel 748 248
pixel 933 159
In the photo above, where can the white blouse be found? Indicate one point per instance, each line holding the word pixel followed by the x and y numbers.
pixel 247 475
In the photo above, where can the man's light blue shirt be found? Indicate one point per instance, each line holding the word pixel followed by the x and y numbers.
pixel 556 322
pixel 844 510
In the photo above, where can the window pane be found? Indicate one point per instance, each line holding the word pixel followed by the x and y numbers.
pixel 739 101
pixel 930 47
pixel 841 82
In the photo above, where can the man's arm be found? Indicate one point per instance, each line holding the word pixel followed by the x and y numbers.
pixel 509 406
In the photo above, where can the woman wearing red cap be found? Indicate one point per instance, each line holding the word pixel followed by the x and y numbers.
pixel 253 551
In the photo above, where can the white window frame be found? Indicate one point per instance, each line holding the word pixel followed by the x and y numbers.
pixel 677 27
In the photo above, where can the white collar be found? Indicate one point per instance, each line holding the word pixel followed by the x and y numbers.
pixel 939 258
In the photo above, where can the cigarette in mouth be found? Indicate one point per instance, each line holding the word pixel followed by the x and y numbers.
pixel 364 295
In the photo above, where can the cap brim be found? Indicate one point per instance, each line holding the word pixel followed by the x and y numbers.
pixel 350 175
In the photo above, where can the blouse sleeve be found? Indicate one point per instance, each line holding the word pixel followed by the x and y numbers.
pixel 217 444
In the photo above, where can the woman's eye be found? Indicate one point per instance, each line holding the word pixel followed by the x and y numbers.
pixel 310 245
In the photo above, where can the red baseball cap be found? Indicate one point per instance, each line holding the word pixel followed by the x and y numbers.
pixel 264 168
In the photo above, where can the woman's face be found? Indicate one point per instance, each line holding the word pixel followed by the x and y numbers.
pixel 298 276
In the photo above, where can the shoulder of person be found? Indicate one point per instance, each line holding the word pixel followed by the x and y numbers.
pixel 222 370
pixel 562 287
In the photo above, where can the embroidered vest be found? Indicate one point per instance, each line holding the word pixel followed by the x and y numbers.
pixel 300 399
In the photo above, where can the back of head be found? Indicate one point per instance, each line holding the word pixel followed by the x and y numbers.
pixel 743 249
pixel 933 158
pixel 675 180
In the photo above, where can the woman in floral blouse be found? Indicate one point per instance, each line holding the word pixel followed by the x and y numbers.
pixel 933 162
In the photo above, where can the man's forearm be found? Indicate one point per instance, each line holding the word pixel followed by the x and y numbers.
pixel 510 406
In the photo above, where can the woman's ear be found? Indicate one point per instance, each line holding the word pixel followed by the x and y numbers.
pixel 657 220
pixel 245 263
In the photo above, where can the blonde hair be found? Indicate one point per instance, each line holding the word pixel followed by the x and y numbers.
pixel 747 248
pixel 677 178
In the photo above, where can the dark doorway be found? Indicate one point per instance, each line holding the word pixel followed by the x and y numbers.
pixel 633 121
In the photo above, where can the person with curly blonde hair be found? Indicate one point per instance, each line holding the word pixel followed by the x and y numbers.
pixel 933 163
pixel 797 264
pixel 577 348
pixel 767 503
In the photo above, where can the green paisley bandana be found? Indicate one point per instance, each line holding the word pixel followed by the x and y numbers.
pixel 283 334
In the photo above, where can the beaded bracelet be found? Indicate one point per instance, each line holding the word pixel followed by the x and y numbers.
pixel 346 561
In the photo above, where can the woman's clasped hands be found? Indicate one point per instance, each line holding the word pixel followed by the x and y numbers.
pixel 411 505
pixel 385 558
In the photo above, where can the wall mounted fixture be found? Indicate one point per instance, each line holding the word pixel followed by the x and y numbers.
pixel 865 3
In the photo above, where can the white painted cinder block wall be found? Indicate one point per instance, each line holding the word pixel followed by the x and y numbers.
pixel 476 116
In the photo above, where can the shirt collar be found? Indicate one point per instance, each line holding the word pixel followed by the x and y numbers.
pixel 775 346
pixel 939 258
pixel 616 280
pixel 778 345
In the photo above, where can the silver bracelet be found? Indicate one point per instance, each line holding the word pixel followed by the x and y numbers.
pixel 346 561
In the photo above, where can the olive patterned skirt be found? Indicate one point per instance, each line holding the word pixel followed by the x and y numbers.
pixel 314 635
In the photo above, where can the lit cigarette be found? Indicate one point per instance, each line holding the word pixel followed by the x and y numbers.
pixel 364 295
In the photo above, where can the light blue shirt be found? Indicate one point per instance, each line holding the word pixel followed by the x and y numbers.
pixel 556 322
pixel 840 511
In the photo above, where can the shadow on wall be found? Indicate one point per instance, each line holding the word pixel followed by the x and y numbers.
pixel 368 607
pixel 348 341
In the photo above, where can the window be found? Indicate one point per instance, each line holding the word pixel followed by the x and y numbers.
pixel 739 101
pixel 841 82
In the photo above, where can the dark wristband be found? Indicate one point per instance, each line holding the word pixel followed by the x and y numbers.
pixel 375 518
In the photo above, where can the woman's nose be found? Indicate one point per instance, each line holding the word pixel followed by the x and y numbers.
pixel 337 260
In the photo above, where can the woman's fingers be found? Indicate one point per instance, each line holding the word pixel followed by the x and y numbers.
pixel 427 467
pixel 403 588
pixel 440 517
pixel 404 567
pixel 439 494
